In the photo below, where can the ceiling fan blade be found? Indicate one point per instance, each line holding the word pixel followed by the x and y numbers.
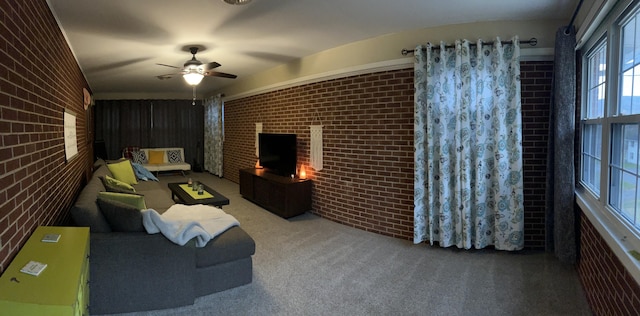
pixel 169 75
pixel 219 74
pixel 165 76
pixel 212 65
pixel 169 66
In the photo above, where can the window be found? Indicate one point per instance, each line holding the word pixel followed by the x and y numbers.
pixel 610 122
pixel 624 188
pixel 593 112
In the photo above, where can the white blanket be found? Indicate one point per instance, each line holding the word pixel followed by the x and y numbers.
pixel 180 223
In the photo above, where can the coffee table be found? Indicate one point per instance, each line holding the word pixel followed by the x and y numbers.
pixel 210 197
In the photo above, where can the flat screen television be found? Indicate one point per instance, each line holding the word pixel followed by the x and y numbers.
pixel 278 153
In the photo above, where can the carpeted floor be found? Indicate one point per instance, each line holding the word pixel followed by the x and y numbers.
pixel 311 266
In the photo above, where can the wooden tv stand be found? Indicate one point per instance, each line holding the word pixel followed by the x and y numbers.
pixel 283 196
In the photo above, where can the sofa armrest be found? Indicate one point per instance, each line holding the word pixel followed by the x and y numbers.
pixel 138 271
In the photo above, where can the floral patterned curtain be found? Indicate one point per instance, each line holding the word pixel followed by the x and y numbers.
pixel 468 146
pixel 213 135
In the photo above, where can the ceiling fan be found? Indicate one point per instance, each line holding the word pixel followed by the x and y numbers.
pixel 194 70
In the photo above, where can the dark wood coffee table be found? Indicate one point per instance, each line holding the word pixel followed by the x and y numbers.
pixel 212 198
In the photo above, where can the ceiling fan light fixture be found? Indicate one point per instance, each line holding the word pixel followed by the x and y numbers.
pixel 237 2
pixel 193 70
pixel 193 75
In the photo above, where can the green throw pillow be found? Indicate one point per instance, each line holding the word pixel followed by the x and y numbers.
pixel 123 171
pixel 134 200
pixel 120 216
pixel 119 184
pixel 111 187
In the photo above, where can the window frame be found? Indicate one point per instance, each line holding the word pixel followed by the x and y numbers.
pixel 584 119
pixel 619 233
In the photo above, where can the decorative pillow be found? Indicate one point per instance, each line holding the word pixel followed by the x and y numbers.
pixel 119 184
pixel 120 216
pixel 156 156
pixel 115 185
pixel 139 157
pixel 174 156
pixel 123 171
pixel 133 200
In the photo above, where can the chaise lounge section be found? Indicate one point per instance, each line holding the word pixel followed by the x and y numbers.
pixel 136 271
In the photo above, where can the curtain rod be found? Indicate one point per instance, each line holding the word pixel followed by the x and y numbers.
pixel 567 31
pixel 533 42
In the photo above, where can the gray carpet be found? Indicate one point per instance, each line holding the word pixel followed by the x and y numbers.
pixel 311 266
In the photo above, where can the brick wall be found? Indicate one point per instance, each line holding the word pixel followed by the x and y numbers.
pixel 39 78
pixel 609 287
pixel 367 180
pixel 536 97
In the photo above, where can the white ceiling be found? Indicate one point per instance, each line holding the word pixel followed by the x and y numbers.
pixel 118 42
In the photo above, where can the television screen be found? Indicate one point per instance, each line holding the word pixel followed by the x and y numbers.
pixel 278 153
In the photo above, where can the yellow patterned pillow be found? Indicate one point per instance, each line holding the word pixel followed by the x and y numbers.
pixel 156 156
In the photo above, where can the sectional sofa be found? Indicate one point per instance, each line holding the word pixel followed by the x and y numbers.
pixel 136 271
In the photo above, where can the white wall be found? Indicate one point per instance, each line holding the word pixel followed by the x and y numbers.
pixel 384 53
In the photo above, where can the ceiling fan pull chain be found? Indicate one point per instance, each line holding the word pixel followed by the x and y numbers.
pixel 194 96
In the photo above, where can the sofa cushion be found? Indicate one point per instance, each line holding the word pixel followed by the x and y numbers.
pixel 168 166
pixel 120 216
pixel 134 200
pixel 115 185
pixel 161 200
pixel 231 245
pixel 123 171
pixel 156 156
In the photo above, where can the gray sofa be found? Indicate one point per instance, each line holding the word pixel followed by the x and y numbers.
pixel 136 271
